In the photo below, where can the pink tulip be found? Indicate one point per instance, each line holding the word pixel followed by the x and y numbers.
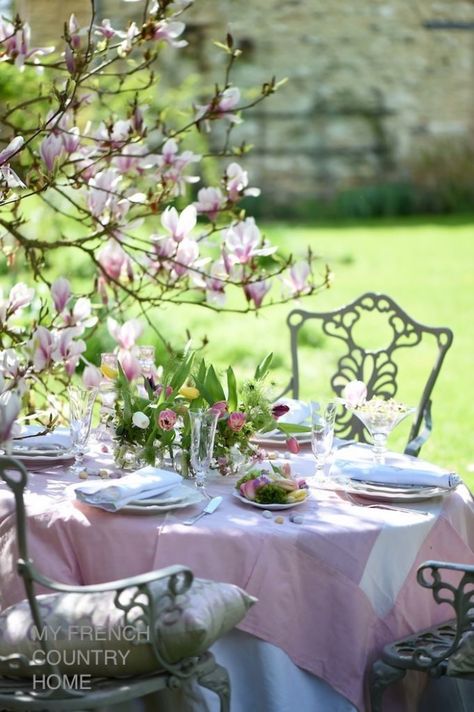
pixel 279 410
pixel 236 421
pixel 220 407
pixel 167 419
pixel 61 293
pixel 159 390
pixel 355 393
pixel 130 365
pixel 91 377
pixel 293 445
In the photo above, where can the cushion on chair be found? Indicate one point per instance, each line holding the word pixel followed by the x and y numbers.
pixel 461 662
pixel 87 633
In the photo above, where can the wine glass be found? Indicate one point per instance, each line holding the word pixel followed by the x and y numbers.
pixel 109 370
pixel 203 431
pixel 380 417
pixel 81 402
pixel 322 437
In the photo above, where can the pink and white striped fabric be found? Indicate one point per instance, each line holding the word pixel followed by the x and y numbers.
pixel 332 591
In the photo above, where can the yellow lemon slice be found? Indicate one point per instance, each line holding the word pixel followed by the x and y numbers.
pixel 108 371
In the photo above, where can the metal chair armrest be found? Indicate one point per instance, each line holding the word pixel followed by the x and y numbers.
pixel 28 570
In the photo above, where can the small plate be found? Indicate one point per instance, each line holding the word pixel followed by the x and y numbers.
pixel 271 507
pixel 280 438
pixel 394 493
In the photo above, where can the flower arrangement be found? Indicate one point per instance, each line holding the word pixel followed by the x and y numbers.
pixel 376 411
pixel 272 487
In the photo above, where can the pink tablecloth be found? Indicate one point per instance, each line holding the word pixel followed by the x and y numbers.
pixel 331 591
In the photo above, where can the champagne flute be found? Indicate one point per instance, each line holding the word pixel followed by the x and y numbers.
pixel 322 437
pixel 81 402
pixel 203 431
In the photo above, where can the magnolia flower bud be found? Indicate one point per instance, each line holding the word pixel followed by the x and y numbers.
pixel 140 420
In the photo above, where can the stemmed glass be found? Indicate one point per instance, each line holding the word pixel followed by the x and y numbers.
pixel 322 437
pixel 203 431
pixel 380 417
pixel 109 370
pixel 81 402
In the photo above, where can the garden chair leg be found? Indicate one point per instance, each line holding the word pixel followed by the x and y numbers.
pixel 382 676
pixel 216 678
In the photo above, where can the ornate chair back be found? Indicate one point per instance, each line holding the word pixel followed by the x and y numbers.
pixel 377 367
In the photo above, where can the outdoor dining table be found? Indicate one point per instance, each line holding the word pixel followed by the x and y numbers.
pixel 331 590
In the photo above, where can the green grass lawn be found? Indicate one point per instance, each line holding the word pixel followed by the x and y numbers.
pixel 425 265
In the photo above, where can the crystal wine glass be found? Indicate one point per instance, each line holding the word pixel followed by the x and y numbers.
pixel 203 431
pixel 81 402
pixel 109 370
pixel 380 417
pixel 322 437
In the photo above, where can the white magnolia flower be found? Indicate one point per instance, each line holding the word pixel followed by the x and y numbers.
pixel 140 420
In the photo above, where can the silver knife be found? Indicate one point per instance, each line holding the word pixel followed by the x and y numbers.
pixel 208 509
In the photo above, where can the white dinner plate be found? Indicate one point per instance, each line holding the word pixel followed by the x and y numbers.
pixel 271 507
pixel 41 458
pixel 179 497
pixel 394 493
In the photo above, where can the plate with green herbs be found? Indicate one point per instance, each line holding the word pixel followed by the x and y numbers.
pixel 274 488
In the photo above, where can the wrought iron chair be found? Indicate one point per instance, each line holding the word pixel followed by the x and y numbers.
pixel 445 649
pixel 137 606
pixel 376 367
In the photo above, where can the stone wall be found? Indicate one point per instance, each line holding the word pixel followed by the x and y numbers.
pixel 369 83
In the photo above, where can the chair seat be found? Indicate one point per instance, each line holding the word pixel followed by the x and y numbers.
pixel 436 641
pixel 93 633
pixel 19 694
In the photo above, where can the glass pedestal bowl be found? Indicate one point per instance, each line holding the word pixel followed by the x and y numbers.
pixel 380 417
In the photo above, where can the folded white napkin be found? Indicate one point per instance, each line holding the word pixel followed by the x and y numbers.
pixel 142 484
pixel 58 438
pixel 394 475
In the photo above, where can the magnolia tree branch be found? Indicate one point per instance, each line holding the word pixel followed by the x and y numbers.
pixel 97 168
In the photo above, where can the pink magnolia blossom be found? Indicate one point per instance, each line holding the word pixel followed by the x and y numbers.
pixel 130 365
pixel 186 256
pixel 355 393
pixel 81 314
pixel 256 291
pixel 116 135
pixel 68 350
pixel 293 445
pixel 51 149
pixel 169 32
pixel 20 296
pixel 10 405
pixel 222 107
pixel 71 139
pixel 296 279
pixel 16 44
pixel 125 334
pixel 6 172
pixel 236 182
pixel 102 189
pixel 106 30
pixel 61 293
pixel 210 202
pixel 179 225
pixel 91 377
pixel 42 344
pixel 127 45
pixel 113 260
pixel 236 421
pixel 243 241
pixel 167 419
pixel 215 284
